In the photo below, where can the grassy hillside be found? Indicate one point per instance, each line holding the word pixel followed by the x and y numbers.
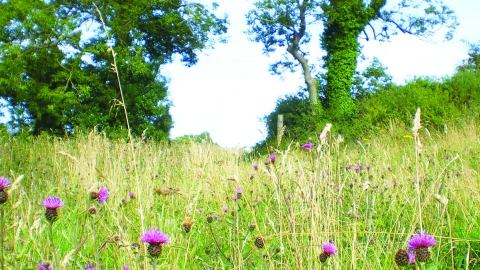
pixel 219 212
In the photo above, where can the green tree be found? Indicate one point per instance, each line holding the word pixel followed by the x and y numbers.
pixel 371 80
pixel 284 24
pixel 279 23
pixel 473 61
pixel 55 63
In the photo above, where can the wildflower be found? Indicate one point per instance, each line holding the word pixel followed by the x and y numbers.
pixel 225 209
pixel 259 242
pixel 155 239
pixel 239 192
pixel 389 167
pixel 44 266
pixel 252 175
pixel 131 195
pixel 102 195
pixel 402 257
pixel 200 210
pixel 348 166
pixel 92 210
pixel 368 167
pixel 255 166
pixel 411 258
pixel 90 267
pixel 127 169
pixel 51 204
pixel 329 249
pixel 4 183
pixel 126 268
pixel 308 146
pixel 272 158
pixel 419 245
pixel 187 225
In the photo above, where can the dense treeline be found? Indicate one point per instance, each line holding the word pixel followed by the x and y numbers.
pixel 379 103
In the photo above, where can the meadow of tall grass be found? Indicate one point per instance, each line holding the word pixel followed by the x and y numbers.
pixel 228 209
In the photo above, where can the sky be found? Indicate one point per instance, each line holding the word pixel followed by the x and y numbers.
pixel 229 91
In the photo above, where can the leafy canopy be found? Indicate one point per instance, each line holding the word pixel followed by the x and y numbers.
pixel 55 65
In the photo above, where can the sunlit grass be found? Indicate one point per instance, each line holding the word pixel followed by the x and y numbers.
pixel 284 213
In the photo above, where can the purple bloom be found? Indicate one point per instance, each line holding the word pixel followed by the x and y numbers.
pixel 348 166
pixel 131 194
pixel 421 240
pixel 239 190
pixel 308 146
pixel 90 267
pixel 127 169
pixel 126 268
pixel 252 175
pixel 4 182
pixel 329 248
pixel 368 167
pixel 225 209
pixel 52 202
pixel 411 257
pixel 102 195
pixel 154 236
pixel 255 166
pixel 273 157
pixel 42 266
pixel 200 210
pixel 389 167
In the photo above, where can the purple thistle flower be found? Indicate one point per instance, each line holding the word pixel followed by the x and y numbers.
pixel 252 175
pixel 255 166
pixel 102 195
pixel 42 266
pixel 200 210
pixel 90 267
pixel 52 202
pixel 273 157
pixel 239 190
pixel 348 166
pixel 154 236
pixel 411 257
pixel 225 209
pixel 4 182
pixel 389 167
pixel 126 268
pixel 127 169
pixel 308 146
pixel 368 167
pixel 131 195
pixel 421 240
pixel 329 248
pixel 217 217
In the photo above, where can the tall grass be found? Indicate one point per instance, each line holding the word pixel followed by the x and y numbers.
pixel 298 202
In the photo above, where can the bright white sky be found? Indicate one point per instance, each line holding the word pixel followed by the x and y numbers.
pixel 230 90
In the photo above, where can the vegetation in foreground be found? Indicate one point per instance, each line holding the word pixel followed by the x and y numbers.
pixel 326 205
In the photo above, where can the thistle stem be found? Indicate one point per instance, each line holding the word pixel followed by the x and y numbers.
pixel 2 226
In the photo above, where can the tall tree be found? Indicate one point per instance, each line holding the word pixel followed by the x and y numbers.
pixel 284 24
pixel 344 22
pixel 55 63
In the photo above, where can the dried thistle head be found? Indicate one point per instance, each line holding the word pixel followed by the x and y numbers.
pixel 187 224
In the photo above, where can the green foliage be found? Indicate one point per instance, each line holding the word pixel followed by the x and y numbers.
pixel 57 78
pixel 473 61
pixel 202 138
pixel 287 24
pixel 300 123
pixel 371 80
